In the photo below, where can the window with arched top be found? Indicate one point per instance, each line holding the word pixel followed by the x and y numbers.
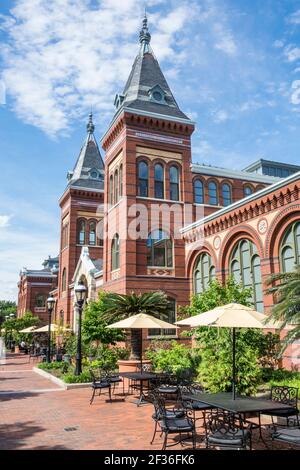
pixel 245 267
pixel 40 300
pixel 121 181
pixel 248 190
pixel 92 233
pixel 111 190
pixel 171 318
pixel 159 181
pixel 212 193
pixel 204 272
pixel 198 192
pixel 81 229
pixel 174 183
pixel 226 194
pixel 159 249
pixel 116 187
pixel 143 177
pixel 290 248
pixel 64 280
pixel 115 253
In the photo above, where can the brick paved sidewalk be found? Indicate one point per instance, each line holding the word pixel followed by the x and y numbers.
pixel 32 418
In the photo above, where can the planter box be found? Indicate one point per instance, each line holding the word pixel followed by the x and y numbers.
pixel 60 382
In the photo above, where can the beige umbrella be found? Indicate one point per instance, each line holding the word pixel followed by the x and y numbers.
pixel 30 329
pixel 141 321
pixel 231 316
pixel 53 328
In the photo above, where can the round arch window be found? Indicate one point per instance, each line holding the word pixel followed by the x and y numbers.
pixel 157 96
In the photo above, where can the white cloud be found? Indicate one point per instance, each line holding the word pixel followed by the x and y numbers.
pixel 292 53
pixel 278 44
pixel 225 41
pixel 295 96
pixel 220 116
pixel 62 57
pixel 294 18
pixel 4 220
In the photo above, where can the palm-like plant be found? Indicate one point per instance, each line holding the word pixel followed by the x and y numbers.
pixel 118 307
pixel 286 290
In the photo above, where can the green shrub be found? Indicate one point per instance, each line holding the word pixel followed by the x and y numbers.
pixel 63 366
pixel 282 377
pixel 84 377
pixel 176 359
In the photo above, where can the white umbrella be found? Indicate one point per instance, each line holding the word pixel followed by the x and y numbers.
pixel 231 316
pixel 141 321
pixel 53 328
pixel 30 329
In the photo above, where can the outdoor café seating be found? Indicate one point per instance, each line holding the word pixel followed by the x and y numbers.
pixel 288 396
pixel 286 435
pixel 226 430
pixel 99 384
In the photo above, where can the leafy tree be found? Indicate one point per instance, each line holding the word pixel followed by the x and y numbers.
pixel 94 326
pixel 14 325
pixel 120 306
pixel 215 369
pixel 175 358
pixel 7 307
pixel 286 290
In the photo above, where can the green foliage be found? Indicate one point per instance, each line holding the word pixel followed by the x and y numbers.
pixel 176 359
pixel 94 325
pixel 215 369
pixel 84 377
pixel 16 324
pixel 62 366
pixel 217 295
pixel 282 377
pixel 6 308
pixel 119 306
pixel 286 290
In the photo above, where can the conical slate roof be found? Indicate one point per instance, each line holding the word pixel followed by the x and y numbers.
pixel 146 88
pixel 88 171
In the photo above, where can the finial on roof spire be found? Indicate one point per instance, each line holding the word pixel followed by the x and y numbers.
pixel 145 36
pixel 90 125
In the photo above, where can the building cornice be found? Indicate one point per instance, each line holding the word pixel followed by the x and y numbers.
pixel 225 173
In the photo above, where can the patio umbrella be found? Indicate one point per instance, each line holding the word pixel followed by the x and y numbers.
pixel 30 329
pixel 53 328
pixel 231 316
pixel 141 321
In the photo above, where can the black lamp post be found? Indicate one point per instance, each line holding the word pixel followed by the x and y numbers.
pixel 11 316
pixel 80 293
pixel 50 306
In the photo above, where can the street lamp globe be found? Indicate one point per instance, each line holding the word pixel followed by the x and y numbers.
pixel 50 302
pixel 80 292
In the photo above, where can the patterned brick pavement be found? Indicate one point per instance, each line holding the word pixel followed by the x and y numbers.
pixel 35 414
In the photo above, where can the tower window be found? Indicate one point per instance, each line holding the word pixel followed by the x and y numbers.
pixel 143 179
pixel 248 191
pixel 64 280
pixel 159 181
pixel 213 193
pixel 92 233
pixel 226 194
pixel 81 231
pixel 198 192
pixel 116 187
pixel 174 183
pixel 111 190
pixel 115 253
pixel 121 181
pixel 159 249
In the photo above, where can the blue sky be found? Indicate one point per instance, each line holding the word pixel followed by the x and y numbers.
pixel 233 65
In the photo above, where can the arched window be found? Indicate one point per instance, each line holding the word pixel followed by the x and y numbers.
pixel 204 272
pixel 116 187
pixel 159 181
pixel 81 227
pixel 40 300
pixel 121 181
pixel 198 192
pixel 248 191
pixel 111 190
pixel 92 233
pixel 246 270
pixel 290 248
pixel 143 179
pixel 174 183
pixel 159 249
pixel 64 280
pixel 115 253
pixel 226 194
pixel 213 193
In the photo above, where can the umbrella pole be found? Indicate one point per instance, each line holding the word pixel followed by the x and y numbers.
pixel 233 362
pixel 141 352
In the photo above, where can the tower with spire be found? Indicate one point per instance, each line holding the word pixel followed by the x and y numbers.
pixel 148 129
pixel 81 211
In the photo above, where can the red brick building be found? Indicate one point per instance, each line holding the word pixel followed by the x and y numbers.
pixel 133 223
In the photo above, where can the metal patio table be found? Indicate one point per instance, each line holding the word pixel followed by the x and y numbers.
pixel 140 377
pixel 241 405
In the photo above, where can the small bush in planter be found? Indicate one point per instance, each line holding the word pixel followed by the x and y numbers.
pixel 84 377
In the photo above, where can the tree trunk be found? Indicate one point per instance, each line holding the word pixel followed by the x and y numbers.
pixel 136 344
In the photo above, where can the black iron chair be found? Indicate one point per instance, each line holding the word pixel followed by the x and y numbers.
pixel 114 379
pixel 286 435
pixel 170 421
pixel 287 396
pixel 226 430
pixel 195 406
pixel 100 384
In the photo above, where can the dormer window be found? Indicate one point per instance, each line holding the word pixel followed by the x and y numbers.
pixel 118 100
pixel 157 95
pixel 94 174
